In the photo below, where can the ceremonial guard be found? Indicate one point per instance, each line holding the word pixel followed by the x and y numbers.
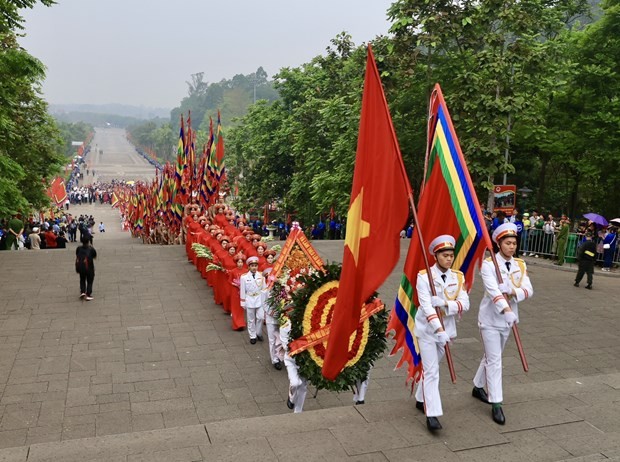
pixel 452 300
pixel 298 386
pixel 272 322
pixel 499 310
pixel 251 288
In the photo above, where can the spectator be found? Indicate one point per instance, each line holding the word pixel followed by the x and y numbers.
pixel 526 233
pixel 549 235
pixel 15 228
pixel 35 239
pixel 61 241
pixel 50 239
pixel 562 239
pixel 101 227
pixel 609 247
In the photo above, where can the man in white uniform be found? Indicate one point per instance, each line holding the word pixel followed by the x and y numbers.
pixel 251 285
pixel 452 299
pixel 298 386
pixel 499 310
pixel 272 322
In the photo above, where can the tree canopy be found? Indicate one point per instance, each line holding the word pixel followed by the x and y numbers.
pixel 532 87
pixel 30 146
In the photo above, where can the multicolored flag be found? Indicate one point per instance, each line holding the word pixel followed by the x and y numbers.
pixel 448 188
pixel 372 243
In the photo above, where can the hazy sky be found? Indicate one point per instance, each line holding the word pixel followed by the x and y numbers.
pixel 141 52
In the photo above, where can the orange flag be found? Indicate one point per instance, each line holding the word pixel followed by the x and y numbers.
pixel 378 211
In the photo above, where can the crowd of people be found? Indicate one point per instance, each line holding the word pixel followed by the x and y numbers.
pixel 541 236
pixel 49 233
pixel 236 263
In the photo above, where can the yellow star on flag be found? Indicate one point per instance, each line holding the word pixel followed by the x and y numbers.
pixel 357 229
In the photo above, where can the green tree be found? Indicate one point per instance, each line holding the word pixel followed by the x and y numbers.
pixel 490 57
pixel 30 146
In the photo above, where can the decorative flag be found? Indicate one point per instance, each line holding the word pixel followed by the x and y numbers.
pixel 448 188
pixel 220 149
pixel 57 191
pixel 378 211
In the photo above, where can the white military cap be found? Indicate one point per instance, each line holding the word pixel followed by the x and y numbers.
pixel 504 230
pixel 443 242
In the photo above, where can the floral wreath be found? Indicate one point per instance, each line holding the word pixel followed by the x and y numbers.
pixel 312 302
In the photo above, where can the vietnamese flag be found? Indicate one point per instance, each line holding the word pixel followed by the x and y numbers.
pixel 378 211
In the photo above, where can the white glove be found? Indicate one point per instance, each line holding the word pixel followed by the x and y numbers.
pixel 505 288
pixel 442 338
pixel 437 302
pixel 510 318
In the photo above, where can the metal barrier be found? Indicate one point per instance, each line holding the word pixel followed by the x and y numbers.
pixel 536 243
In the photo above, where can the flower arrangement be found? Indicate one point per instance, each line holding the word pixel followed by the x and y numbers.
pixel 312 296
pixel 202 251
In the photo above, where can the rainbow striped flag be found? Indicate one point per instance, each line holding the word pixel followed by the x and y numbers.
pixel 448 205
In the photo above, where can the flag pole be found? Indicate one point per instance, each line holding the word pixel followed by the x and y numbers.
pixel 426 262
pixel 419 231
pixel 515 329
pixel 432 285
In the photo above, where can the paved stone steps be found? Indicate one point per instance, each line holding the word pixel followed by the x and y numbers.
pixel 540 426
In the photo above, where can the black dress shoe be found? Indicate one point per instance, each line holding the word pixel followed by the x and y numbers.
pixel 359 402
pixel 252 341
pixel 432 423
pixel 419 405
pixel 289 403
pixel 589 287
pixel 480 394
pixel 576 284
pixel 498 415
pixel 278 365
pixel 259 338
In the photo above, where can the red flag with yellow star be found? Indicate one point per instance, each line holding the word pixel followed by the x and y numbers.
pixel 377 213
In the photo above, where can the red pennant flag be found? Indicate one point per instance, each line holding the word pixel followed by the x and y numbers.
pixel 57 191
pixel 372 243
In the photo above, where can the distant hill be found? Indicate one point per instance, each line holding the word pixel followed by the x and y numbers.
pixel 135 112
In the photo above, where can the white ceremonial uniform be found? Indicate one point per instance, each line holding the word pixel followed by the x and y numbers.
pixel 361 387
pixel 251 287
pixel 493 328
pixel 298 386
pixel 426 324
pixel 273 329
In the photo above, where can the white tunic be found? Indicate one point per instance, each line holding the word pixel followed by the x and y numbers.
pixel 493 301
pixel 452 290
pixel 251 289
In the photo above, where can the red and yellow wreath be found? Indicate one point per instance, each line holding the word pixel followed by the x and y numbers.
pixel 310 322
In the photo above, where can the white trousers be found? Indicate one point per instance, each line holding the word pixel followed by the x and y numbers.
pixel 275 345
pixel 490 369
pixel 298 386
pixel 255 319
pixel 428 388
pixel 362 387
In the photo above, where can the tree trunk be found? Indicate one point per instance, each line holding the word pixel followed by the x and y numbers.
pixel 544 163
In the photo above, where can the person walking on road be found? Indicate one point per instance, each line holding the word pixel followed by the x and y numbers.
pixel 499 310
pixel 587 257
pixel 452 300
pixel 85 267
